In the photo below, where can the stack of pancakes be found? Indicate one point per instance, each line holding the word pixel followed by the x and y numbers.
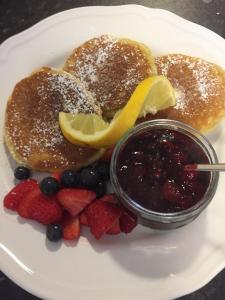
pixel 99 77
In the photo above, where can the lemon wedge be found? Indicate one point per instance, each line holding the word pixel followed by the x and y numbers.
pixel 151 95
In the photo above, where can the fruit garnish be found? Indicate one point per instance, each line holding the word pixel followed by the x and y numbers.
pixel 83 218
pixel 103 170
pixel 75 200
pixel 13 199
pixel 70 179
pixel 158 94
pixel 100 189
pixel 54 232
pixel 64 210
pixel 115 229
pixel 128 222
pixel 44 209
pixel 23 208
pixel 70 227
pixel 109 198
pixel 49 186
pixel 101 216
pixel 57 176
pixel 21 173
pixel 89 177
pixel 151 95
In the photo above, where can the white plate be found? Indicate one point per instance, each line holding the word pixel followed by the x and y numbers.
pixel 146 264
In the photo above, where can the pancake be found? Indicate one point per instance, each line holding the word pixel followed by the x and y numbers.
pixel 32 132
pixel 199 88
pixel 111 69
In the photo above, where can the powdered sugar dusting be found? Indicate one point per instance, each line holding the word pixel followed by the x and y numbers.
pixel 110 69
pixel 191 78
pixel 74 97
pixel 34 128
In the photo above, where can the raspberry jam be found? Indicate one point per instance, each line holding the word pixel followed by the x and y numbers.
pixel 151 170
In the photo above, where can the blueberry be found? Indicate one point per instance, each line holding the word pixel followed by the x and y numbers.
pixel 103 171
pixel 71 179
pixel 100 189
pixel 21 173
pixel 49 186
pixel 54 232
pixel 89 177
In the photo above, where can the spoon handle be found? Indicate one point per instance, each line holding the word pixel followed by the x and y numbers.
pixel 205 167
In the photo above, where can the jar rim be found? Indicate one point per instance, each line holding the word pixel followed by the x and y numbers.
pixel 198 137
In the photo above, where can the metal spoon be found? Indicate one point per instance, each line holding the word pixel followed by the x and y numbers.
pixel 205 167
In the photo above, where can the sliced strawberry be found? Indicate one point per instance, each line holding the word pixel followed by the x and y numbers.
pixel 17 194
pixel 71 227
pixel 101 216
pixel 128 221
pixel 23 208
pixel 75 200
pixel 107 155
pixel 57 175
pixel 83 218
pixel 45 209
pixel 109 198
pixel 115 229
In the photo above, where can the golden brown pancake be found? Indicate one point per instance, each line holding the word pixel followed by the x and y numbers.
pixel 32 132
pixel 199 87
pixel 111 68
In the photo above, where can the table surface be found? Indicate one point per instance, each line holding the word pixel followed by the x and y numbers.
pixel 17 15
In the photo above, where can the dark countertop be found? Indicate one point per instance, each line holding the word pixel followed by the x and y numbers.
pixel 17 15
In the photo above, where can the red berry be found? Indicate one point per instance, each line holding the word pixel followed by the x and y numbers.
pixel 166 146
pixel 83 218
pixel 71 227
pixel 16 195
pixel 138 156
pixel 109 198
pixel 128 221
pixel 171 192
pixel 179 158
pixel 45 209
pixel 57 176
pixel 75 200
pixel 188 179
pixel 115 229
pixel 188 176
pixel 25 204
pixel 101 216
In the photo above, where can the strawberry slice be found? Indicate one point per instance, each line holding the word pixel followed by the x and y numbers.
pixel 57 176
pixel 101 216
pixel 17 194
pixel 45 209
pixel 109 198
pixel 128 221
pixel 25 203
pixel 75 200
pixel 115 229
pixel 71 227
pixel 83 218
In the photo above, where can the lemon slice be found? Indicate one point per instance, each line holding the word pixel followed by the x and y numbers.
pixel 151 95
pixel 158 94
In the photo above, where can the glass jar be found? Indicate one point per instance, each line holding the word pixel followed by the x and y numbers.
pixel 165 220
